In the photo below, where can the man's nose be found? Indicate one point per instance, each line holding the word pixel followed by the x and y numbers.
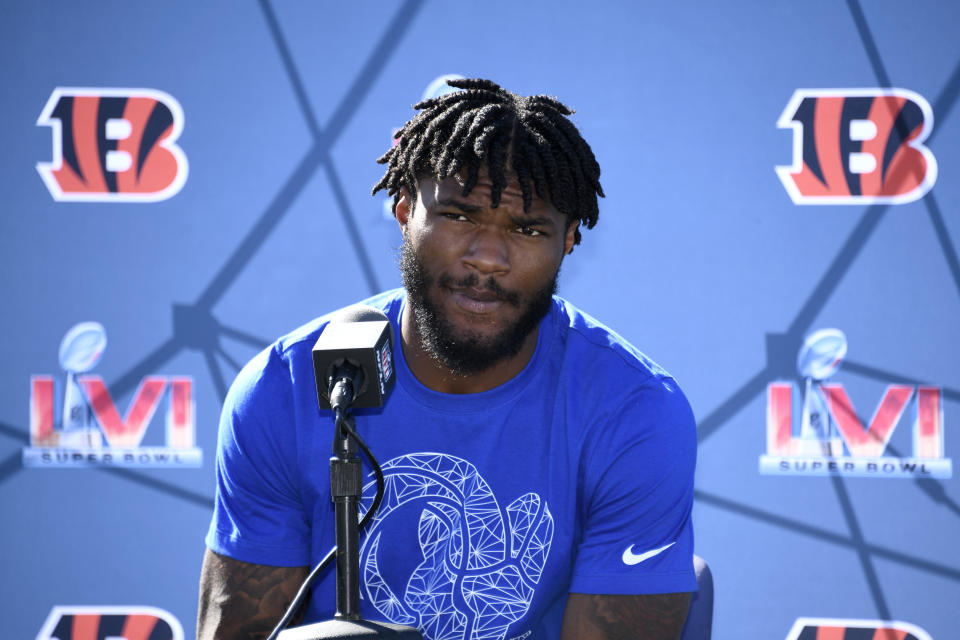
pixel 487 252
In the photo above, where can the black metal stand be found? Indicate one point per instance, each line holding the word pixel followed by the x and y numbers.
pixel 346 489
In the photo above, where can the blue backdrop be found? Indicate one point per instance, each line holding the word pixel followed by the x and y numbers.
pixel 701 258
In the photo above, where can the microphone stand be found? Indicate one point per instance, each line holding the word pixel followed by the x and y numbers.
pixel 346 490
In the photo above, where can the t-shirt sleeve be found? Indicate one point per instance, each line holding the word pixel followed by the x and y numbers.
pixel 258 514
pixel 637 479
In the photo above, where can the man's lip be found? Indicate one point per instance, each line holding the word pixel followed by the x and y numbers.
pixel 480 295
pixel 477 301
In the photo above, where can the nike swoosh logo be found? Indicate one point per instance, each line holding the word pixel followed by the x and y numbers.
pixel 629 557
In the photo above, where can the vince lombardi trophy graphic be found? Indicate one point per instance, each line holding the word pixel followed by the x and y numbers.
pixel 80 351
pixel 818 359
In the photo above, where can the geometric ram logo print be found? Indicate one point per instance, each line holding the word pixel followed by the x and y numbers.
pixel 492 557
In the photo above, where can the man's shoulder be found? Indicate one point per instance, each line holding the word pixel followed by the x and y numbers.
pixel 618 391
pixel 588 339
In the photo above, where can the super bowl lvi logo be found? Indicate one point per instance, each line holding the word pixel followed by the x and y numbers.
pixel 832 440
pixel 86 429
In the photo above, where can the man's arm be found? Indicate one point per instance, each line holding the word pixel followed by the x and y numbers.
pixel 617 617
pixel 243 601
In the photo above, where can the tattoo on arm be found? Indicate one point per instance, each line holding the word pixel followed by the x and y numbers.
pixel 616 617
pixel 243 601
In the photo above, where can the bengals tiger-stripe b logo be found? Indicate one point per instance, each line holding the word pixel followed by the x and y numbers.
pixel 858 146
pixel 113 145
pixel 100 623
pixel 845 629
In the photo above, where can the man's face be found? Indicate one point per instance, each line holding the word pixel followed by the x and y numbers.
pixel 479 279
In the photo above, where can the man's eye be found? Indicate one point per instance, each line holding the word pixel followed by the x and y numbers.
pixel 529 231
pixel 459 217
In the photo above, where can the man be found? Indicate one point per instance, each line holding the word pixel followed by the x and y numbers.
pixel 539 468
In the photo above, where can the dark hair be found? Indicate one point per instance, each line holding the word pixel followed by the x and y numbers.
pixel 486 124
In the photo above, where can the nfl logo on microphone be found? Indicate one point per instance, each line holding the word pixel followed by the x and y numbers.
pixel 832 439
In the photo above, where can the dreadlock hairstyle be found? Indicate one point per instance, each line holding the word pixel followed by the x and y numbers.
pixel 486 124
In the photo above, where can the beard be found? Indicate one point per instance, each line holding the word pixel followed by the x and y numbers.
pixel 466 352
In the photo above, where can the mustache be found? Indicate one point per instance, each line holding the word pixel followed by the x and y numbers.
pixel 473 282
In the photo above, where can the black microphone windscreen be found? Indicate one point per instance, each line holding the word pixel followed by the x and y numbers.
pixel 358 313
pixel 362 336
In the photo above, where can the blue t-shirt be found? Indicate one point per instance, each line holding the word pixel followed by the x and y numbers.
pixel 574 476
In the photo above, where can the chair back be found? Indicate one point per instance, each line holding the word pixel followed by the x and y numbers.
pixel 700 617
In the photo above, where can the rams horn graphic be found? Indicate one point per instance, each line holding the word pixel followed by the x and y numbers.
pixel 480 563
pixel 113 145
pixel 858 146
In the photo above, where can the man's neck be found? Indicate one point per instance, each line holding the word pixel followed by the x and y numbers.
pixel 434 375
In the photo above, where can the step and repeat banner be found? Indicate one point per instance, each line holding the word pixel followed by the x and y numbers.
pixel 184 182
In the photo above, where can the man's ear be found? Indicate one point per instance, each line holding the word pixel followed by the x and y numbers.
pixel 403 209
pixel 570 237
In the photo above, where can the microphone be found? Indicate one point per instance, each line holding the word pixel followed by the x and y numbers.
pixel 353 366
pixel 353 359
